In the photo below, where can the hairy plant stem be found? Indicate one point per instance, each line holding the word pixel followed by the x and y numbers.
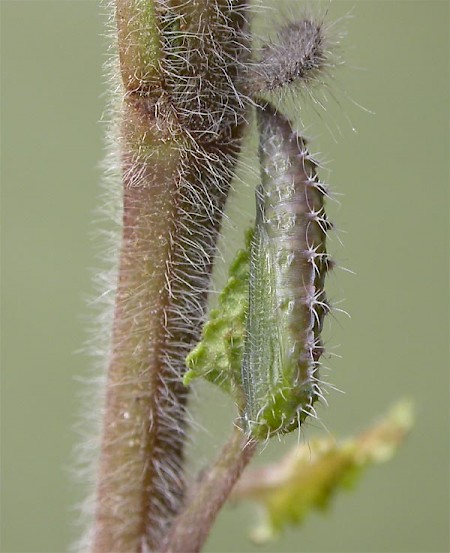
pixel 192 526
pixel 178 159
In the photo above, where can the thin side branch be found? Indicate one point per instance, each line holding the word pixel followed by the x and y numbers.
pixel 194 523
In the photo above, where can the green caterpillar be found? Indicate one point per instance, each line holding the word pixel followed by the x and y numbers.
pixel 287 302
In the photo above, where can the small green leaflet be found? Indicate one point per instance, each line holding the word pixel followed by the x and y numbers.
pixel 310 475
pixel 218 356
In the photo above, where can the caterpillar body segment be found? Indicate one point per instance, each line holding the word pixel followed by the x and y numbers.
pixel 287 301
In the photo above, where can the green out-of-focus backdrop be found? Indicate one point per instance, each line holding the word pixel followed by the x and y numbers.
pixel 393 176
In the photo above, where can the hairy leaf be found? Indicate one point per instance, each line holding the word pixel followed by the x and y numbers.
pixel 218 356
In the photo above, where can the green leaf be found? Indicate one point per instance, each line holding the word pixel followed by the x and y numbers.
pixel 309 476
pixel 218 356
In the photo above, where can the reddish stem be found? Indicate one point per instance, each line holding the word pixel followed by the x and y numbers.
pixel 194 523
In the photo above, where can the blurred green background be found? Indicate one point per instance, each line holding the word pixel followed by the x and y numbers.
pixel 393 174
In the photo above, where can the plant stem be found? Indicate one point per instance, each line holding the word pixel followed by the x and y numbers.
pixel 193 525
pixel 182 121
